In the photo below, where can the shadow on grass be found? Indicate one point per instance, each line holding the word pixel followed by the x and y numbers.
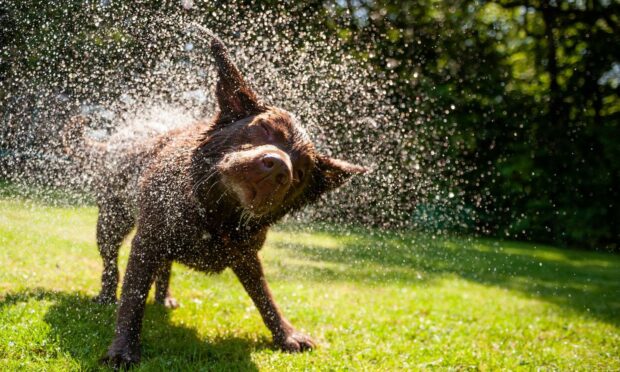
pixel 83 330
pixel 587 282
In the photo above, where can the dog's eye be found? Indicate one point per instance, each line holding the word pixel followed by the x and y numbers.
pixel 300 174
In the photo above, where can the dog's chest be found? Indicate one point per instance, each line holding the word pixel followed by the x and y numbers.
pixel 207 251
pixel 215 250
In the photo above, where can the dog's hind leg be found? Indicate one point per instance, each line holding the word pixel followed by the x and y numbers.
pixel 162 287
pixel 113 225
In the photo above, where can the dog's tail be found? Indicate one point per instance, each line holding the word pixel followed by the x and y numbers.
pixel 78 146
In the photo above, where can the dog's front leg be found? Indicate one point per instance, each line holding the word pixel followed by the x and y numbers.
pixel 141 268
pixel 249 270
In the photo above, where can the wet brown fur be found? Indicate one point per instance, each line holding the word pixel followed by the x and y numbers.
pixel 176 188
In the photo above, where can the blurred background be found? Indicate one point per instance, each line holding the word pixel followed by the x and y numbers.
pixel 492 118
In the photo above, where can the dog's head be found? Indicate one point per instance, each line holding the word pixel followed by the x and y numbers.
pixel 265 160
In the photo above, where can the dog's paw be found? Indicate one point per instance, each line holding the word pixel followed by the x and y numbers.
pixel 102 299
pixel 296 342
pixel 169 302
pixel 121 358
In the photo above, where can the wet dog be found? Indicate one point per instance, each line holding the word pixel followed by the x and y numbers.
pixel 205 196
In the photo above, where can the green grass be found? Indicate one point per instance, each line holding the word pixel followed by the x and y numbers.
pixel 373 301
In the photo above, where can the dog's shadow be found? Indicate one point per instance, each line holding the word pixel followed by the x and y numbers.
pixel 83 330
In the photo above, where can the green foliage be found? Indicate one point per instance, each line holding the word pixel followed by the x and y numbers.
pixel 536 100
pixel 522 97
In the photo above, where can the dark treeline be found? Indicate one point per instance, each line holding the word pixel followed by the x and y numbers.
pixel 527 93
pixel 536 88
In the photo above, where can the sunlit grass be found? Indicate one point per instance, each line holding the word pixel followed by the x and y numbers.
pixel 373 301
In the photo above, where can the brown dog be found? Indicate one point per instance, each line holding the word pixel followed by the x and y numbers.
pixel 205 196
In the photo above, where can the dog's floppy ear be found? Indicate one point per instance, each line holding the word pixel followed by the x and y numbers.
pixel 332 173
pixel 235 98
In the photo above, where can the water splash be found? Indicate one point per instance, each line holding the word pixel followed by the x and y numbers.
pixel 135 76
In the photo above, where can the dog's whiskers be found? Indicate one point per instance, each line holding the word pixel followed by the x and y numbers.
pixel 221 196
pixel 246 217
pixel 212 186
pixel 202 181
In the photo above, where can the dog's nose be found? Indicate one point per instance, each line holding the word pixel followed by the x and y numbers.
pixel 277 168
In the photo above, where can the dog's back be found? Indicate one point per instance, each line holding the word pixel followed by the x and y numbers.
pixel 115 169
pixel 205 196
pixel 116 165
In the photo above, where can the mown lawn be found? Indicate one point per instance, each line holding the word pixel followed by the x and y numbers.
pixel 373 301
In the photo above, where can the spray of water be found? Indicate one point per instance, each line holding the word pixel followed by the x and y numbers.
pixel 136 71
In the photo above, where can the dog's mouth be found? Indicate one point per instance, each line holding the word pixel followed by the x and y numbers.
pixel 245 192
pixel 259 199
pixel 258 178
